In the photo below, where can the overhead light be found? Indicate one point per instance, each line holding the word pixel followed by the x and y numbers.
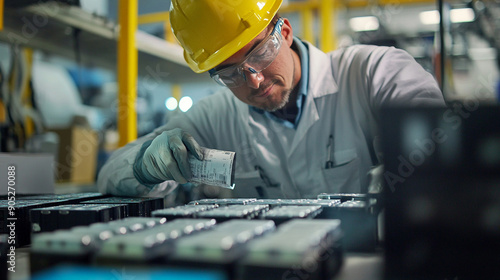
pixel 429 17
pixel 368 23
pixel 456 16
pixel 171 103
pixel 462 15
pixel 185 103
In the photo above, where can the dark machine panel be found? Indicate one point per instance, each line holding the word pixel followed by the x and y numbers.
pixel 442 176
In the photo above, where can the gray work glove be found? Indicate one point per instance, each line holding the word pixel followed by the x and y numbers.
pixel 167 157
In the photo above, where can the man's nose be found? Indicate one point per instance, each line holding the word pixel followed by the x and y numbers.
pixel 254 79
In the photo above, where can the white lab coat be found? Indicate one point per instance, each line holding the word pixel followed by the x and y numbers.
pixel 346 88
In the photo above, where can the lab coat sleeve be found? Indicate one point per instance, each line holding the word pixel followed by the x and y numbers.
pixel 117 177
pixel 393 77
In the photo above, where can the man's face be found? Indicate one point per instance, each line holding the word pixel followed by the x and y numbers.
pixel 270 89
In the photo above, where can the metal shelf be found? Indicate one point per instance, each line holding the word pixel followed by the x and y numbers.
pixel 52 28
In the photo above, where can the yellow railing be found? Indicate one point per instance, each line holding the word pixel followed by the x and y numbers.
pixel 127 65
pixel 1 15
pixel 127 72
pixel 162 17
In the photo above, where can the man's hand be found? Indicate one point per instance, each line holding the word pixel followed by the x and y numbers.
pixel 167 156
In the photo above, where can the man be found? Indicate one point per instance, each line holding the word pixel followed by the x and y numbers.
pixel 301 122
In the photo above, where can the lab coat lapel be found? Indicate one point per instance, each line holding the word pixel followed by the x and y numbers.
pixel 321 83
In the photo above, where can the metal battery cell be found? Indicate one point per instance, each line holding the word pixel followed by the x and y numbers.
pixel 124 226
pixel 223 201
pixel 216 245
pixel 323 203
pixel 147 245
pixel 299 249
pixel 328 206
pixel 137 206
pixel 359 214
pixel 19 215
pixel 220 247
pixel 138 223
pixel 233 212
pixel 184 211
pixel 301 201
pixel 51 248
pixel 24 204
pixel 68 242
pixel 271 202
pixel 84 239
pixel 64 198
pixel 344 196
pixel 79 244
pixel 359 225
pixel 282 214
pixel 67 216
pixel 373 200
pixel 219 243
pixel 117 211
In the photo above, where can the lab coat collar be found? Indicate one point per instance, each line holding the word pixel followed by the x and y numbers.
pixel 321 83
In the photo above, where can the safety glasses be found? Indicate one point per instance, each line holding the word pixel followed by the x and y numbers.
pixel 256 61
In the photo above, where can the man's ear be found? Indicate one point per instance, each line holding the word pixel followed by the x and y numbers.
pixel 287 32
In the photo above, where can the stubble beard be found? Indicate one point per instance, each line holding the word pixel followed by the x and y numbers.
pixel 285 94
pixel 285 97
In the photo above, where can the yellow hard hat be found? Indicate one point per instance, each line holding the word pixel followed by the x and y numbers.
pixel 210 31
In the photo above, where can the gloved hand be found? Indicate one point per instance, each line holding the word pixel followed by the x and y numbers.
pixel 167 157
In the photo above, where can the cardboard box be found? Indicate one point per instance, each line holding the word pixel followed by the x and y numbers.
pixel 77 156
pixel 26 173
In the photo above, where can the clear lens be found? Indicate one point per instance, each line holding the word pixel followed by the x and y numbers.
pixel 258 60
pixel 230 77
pixel 263 57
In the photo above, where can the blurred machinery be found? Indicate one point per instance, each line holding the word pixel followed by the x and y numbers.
pixel 441 176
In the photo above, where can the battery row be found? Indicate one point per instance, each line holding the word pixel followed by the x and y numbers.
pixel 69 197
pixel 80 244
pixel 71 215
pixel 240 248
pixel 18 211
pixel 184 211
pixel 250 211
pixel 40 213
pixel 14 216
pixel 136 206
pixel 359 213
pixel 149 245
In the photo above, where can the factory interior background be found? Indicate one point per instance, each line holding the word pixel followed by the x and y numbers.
pixel 64 58
pixel 71 93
